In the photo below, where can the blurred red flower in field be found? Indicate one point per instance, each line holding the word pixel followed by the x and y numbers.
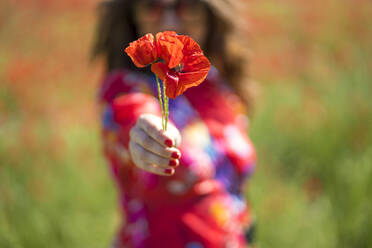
pixel 176 59
pixel 20 70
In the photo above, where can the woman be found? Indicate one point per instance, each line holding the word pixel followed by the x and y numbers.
pixel 177 193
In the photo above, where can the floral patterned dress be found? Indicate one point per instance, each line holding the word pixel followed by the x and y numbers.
pixel 202 204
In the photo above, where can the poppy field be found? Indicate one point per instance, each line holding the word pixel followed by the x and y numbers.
pixel 312 125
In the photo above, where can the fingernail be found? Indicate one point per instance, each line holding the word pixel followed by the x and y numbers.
pixel 168 171
pixel 173 163
pixel 168 142
pixel 176 155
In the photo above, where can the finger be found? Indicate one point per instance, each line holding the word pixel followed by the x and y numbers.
pixel 151 124
pixel 157 170
pixel 140 137
pixel 173 132
pixel 148 166
pixel 152 158
pixel 153 168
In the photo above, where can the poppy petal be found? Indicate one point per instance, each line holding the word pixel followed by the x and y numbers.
pixel 169 48
pixel 160 69
pixel 172 87
pixel 190 79
pixel 195 71
pixel 143 51
pixel 190 47
pixel 196 63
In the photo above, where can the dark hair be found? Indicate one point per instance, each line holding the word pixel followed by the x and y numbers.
pixel 226 44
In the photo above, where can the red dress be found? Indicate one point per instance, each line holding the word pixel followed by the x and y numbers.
pixel 202 204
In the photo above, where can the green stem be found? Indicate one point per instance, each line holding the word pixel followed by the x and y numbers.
pixel 161 104
pixel 166 115
pixel 165 106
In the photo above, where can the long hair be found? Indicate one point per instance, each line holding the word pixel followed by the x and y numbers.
pixel 226 44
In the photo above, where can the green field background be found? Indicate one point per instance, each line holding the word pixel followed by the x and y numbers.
pixel 312 125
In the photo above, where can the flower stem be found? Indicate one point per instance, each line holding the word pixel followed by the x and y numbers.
pixel 165 106
pixel 161 104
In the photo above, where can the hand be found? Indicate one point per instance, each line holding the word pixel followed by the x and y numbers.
pixel 153 149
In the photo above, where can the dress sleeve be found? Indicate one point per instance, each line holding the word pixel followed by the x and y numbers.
pixel 123 97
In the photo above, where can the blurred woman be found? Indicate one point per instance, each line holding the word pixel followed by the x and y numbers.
pixel 182 187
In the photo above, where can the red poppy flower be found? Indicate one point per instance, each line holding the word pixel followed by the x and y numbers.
pixel 190 71
pixel 182 64
pixel 143 51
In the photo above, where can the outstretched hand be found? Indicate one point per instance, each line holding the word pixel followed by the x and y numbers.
pixel 153 149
